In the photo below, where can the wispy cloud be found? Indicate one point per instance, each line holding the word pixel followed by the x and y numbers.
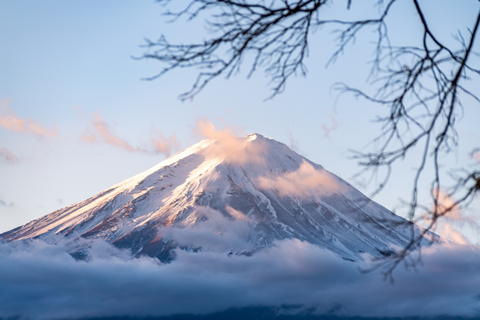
pixel 329 129
pixel 8 157
pixel 11 122
pixel 206 129
pixel 306 180
pixel 4 204
pixel 100 131
pixel 293 142
pixel 451 218
pixel 475 154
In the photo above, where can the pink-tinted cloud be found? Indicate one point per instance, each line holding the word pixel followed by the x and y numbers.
pixel 8 157
pixel 333 127
pixel 227 144
pixel 307 180
pixel 446 206
pixel 162 144
pixel 207 129
pixel 214 231
pixel 447 230
pixel 100 132
pixel 475 154
pixel 237 215
pixel 10 121
pixel 451 218
pixel 88 137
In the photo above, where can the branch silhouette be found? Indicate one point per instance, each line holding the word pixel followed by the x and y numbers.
pixel 421 87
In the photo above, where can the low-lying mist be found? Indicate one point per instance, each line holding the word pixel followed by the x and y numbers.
pixel 42 281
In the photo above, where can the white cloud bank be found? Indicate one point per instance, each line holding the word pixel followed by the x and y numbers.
pixel 43 282
pixel 306 180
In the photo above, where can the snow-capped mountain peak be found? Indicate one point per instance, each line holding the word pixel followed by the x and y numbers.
pixel 230 194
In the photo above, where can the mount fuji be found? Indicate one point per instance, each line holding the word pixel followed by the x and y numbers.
pixel 233 195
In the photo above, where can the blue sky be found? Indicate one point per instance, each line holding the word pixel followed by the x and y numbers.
pixel 63 63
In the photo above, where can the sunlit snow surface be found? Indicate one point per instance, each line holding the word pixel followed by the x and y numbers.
pixel 235 196
pixel 222 230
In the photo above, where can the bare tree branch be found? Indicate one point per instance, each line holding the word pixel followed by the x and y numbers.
pixel 420 86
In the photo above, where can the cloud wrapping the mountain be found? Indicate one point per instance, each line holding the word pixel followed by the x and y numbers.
pixel 40 281
pixel 293 142
pixel 4 204
pixel 451 216
pixel 306 180
pixel 215 231
pixel 446 225
pixel 11 122
pixel 228 145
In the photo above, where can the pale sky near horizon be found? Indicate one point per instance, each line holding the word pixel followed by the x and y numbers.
pixel 66 66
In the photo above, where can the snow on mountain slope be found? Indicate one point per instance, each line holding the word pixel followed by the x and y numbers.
pixel 236 195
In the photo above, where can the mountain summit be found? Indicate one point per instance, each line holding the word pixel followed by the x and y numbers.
pixel 231 194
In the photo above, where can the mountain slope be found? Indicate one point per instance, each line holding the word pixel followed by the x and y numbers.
pixel 235 195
